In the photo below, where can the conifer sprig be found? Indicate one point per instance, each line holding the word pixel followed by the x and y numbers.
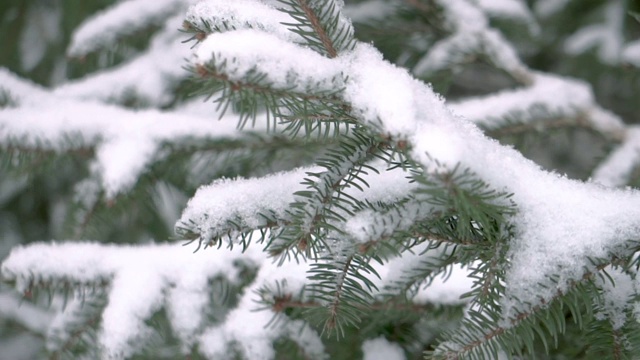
pixel 321 24
pixel 256 93
pixel 485 334
pixel 320 209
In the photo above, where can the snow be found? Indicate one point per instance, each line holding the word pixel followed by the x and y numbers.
pixel 617 168
pixel 30 316
pixel 21 90
pixel 618 293
pixel 470 36
pixel 447 289
pixel 463 16
pixel 139 277
pixel 307 339
pixel 242 14
pixel 606 37
pixel 367 226
pixel 388 98
pixel 631 53
pixel 381 349
pixel 248 329
pixel 548 96
pixel 310 70
pixel 126 141
pixel 150 76
pixel 245 201
pixel 442 288
pixel 547 8
pixel 561 225
pixel 125 18
pixel 209 210
pixel 370 80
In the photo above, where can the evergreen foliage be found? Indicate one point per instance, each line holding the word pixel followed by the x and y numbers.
pixel 334 205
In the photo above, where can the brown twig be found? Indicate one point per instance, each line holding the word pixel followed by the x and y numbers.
pixel 317 27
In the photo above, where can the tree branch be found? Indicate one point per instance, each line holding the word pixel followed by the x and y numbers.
pixel 317 27
pixel 205 72
pixel 521 317
pixel 580 121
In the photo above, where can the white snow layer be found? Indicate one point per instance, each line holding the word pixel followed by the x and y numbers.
pixel 617 168
pixel 245 201
pixel 247 329
pixel 381 349
pixel 607 37
pixel 144 278
pixel 511 9
pixel 242 14
pixel 20 90
pixel 241 199
pixel 310 70
pixel 470 36
pixel 631 53
pixel 126 141
pixel 446 287
pixel 25 314
pixel 548 96
pixel 547 8
pixel 125 18
pixel 149 77
pixel 618 292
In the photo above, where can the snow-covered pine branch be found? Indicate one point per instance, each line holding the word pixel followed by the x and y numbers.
pixel 105 28
pixel 373 203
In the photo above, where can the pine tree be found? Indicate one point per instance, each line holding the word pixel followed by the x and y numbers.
pixel 300 179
